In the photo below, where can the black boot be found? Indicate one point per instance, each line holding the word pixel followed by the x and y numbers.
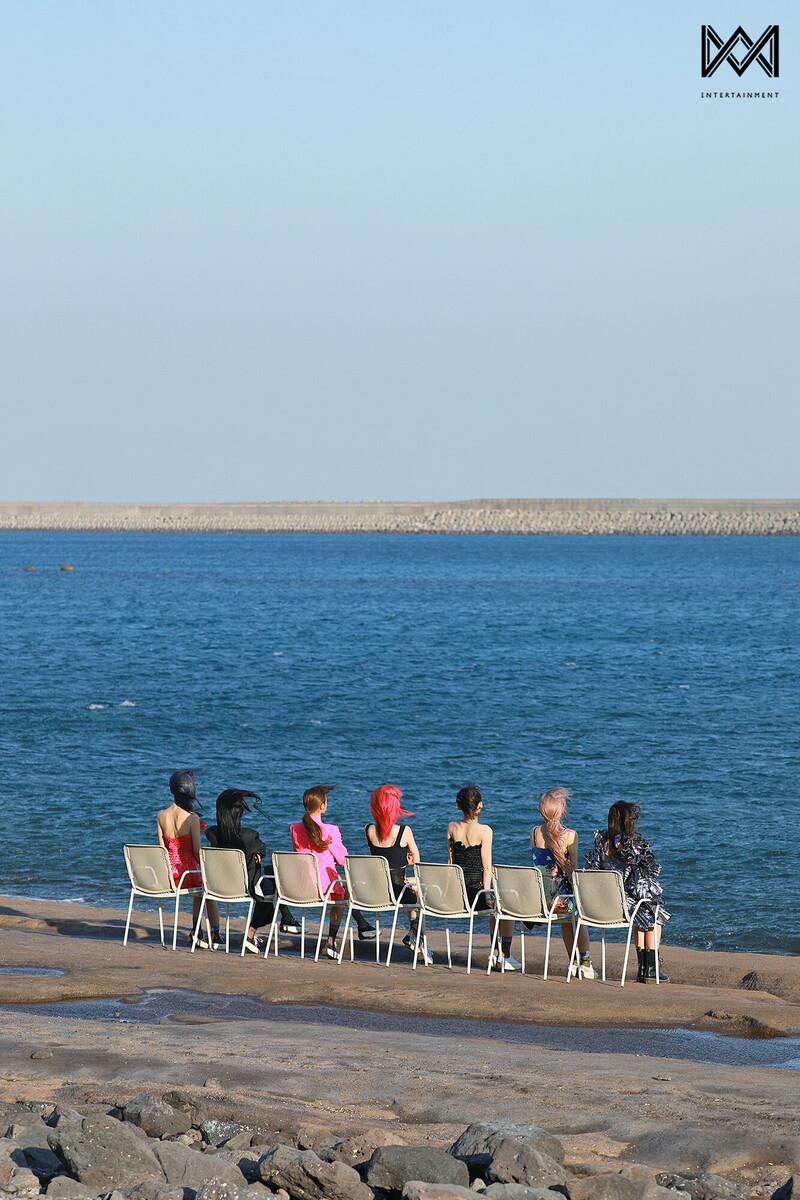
pixel 641 974
pixel 651 967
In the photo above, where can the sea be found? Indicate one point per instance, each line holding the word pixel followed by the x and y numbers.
pixel 657 670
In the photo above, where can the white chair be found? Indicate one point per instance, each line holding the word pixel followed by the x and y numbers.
pixel 520 896
pixel 369 887
pixel 151 876
pixel 298 883
pixel 442 893
pixel 602 904
pixel 224 875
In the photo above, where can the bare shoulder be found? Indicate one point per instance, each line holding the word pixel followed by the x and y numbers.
pixel 537 837
pixel 572 837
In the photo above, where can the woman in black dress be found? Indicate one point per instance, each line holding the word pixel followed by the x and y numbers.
pixel 230 834
pixel 469 846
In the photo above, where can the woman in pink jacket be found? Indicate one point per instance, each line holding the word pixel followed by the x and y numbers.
pixel 325 841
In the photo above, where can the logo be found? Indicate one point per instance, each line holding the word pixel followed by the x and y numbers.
pixel 739 50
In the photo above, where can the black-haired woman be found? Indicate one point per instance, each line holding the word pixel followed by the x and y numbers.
pixel 179 833
pixel 230 834
pixel 621 848
pixel 469 846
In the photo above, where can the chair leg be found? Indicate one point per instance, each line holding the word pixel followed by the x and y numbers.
pixel 344 934
pixel 492 946
pixel 198 923
pixel 352 945
pixel 175 922
pixel 449 955
pixel 416 942
pixel 227 928
pixel 573 958
pixel 469 944
pixel 321 928
pixel 161 922
pixel 627 952
pixel 547 950
pixel 273 929
pixel 603 953
pixel 377 939
pixel 246 929
pixel 391 936
pixel 522 944
pixel 128 922
pixel 302 934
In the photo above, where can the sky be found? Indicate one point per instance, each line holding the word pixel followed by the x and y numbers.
pixel 429 250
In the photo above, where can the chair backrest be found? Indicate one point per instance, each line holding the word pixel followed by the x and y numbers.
pixel 148 870
pixel 297 876
pixel 600 897
pixel 520 892
pixel 224 874
pixel 369 881
pixel 441 889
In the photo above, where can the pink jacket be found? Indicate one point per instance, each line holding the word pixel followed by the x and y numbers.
pixel 328 859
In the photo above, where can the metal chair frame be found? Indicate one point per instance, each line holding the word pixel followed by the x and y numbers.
pixel 207 857
pixel 627 922
pixel 159 892
pixel 322 900
pixel 390 904
pixel 467 913
pixel 543 915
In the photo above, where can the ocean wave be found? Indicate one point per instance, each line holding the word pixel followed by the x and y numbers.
pixel 127 704
pixel 94 707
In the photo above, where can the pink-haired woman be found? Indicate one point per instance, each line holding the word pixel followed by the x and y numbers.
pixel 555 852
pixel 394 842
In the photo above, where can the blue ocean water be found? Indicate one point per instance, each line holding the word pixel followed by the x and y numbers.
pixel 663 670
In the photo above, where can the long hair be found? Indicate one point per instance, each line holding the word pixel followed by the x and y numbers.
pixel 385 807
pixel 622 818
pixel 181 784
pixel 553 807
pixel 469 800
pixel 231 804
pixel 313 800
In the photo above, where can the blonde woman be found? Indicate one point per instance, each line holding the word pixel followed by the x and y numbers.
pixel 555 853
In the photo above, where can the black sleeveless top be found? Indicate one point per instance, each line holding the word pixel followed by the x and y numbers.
pixel 395 855
pixel 471 863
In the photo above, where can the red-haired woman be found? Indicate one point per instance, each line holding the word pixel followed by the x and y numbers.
pixel 325 841
pixel 555 853
pixel 386 839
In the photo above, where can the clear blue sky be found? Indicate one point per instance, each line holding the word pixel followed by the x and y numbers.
pixel 429 249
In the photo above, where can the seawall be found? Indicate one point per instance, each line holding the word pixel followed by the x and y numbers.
pixel 705 518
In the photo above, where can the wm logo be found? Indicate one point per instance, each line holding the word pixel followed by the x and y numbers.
pixel 739 50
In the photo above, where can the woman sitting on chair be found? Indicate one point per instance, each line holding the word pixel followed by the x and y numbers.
pixel 230 834
pixel 179 833
pixel 325 841
pixel 555 853
pixel 386 839
pixel 621 848
pixel 469 846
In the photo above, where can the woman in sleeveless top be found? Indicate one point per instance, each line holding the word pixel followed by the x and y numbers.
pixel 621 848
pixel 386 839
pixel 469 846
pixel 555 853
pixel 179 834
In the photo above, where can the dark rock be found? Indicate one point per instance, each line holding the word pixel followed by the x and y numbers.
pixel 437 1191
pixel 217 1189
pixel 42 1052
pixel 246 1161
pixel 358 1150
pixel 239 1141
pixel 186 1168
pixel 155 1117
pixel 212 1083
pixel 618 1187
pixel 516 1191
pixel 478 1144
pixel 64 1187
pixel 104 1153
pixel 305 1176
pixel 153 1189
pixel 701 1185
pixel 392 1167
pixel 215 1133
pixel 789 1190
pixel 39 1108
pixel 181 1100
pixel 62 1113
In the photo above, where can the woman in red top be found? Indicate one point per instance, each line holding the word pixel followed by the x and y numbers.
pixel 325 841
pixel 179 834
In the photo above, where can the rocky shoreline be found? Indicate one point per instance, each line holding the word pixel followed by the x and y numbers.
pixel 172 1146
pixel 664 518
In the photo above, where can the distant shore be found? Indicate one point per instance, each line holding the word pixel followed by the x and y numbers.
pixel 664 518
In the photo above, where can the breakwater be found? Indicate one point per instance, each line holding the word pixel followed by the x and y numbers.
pixel 705 518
